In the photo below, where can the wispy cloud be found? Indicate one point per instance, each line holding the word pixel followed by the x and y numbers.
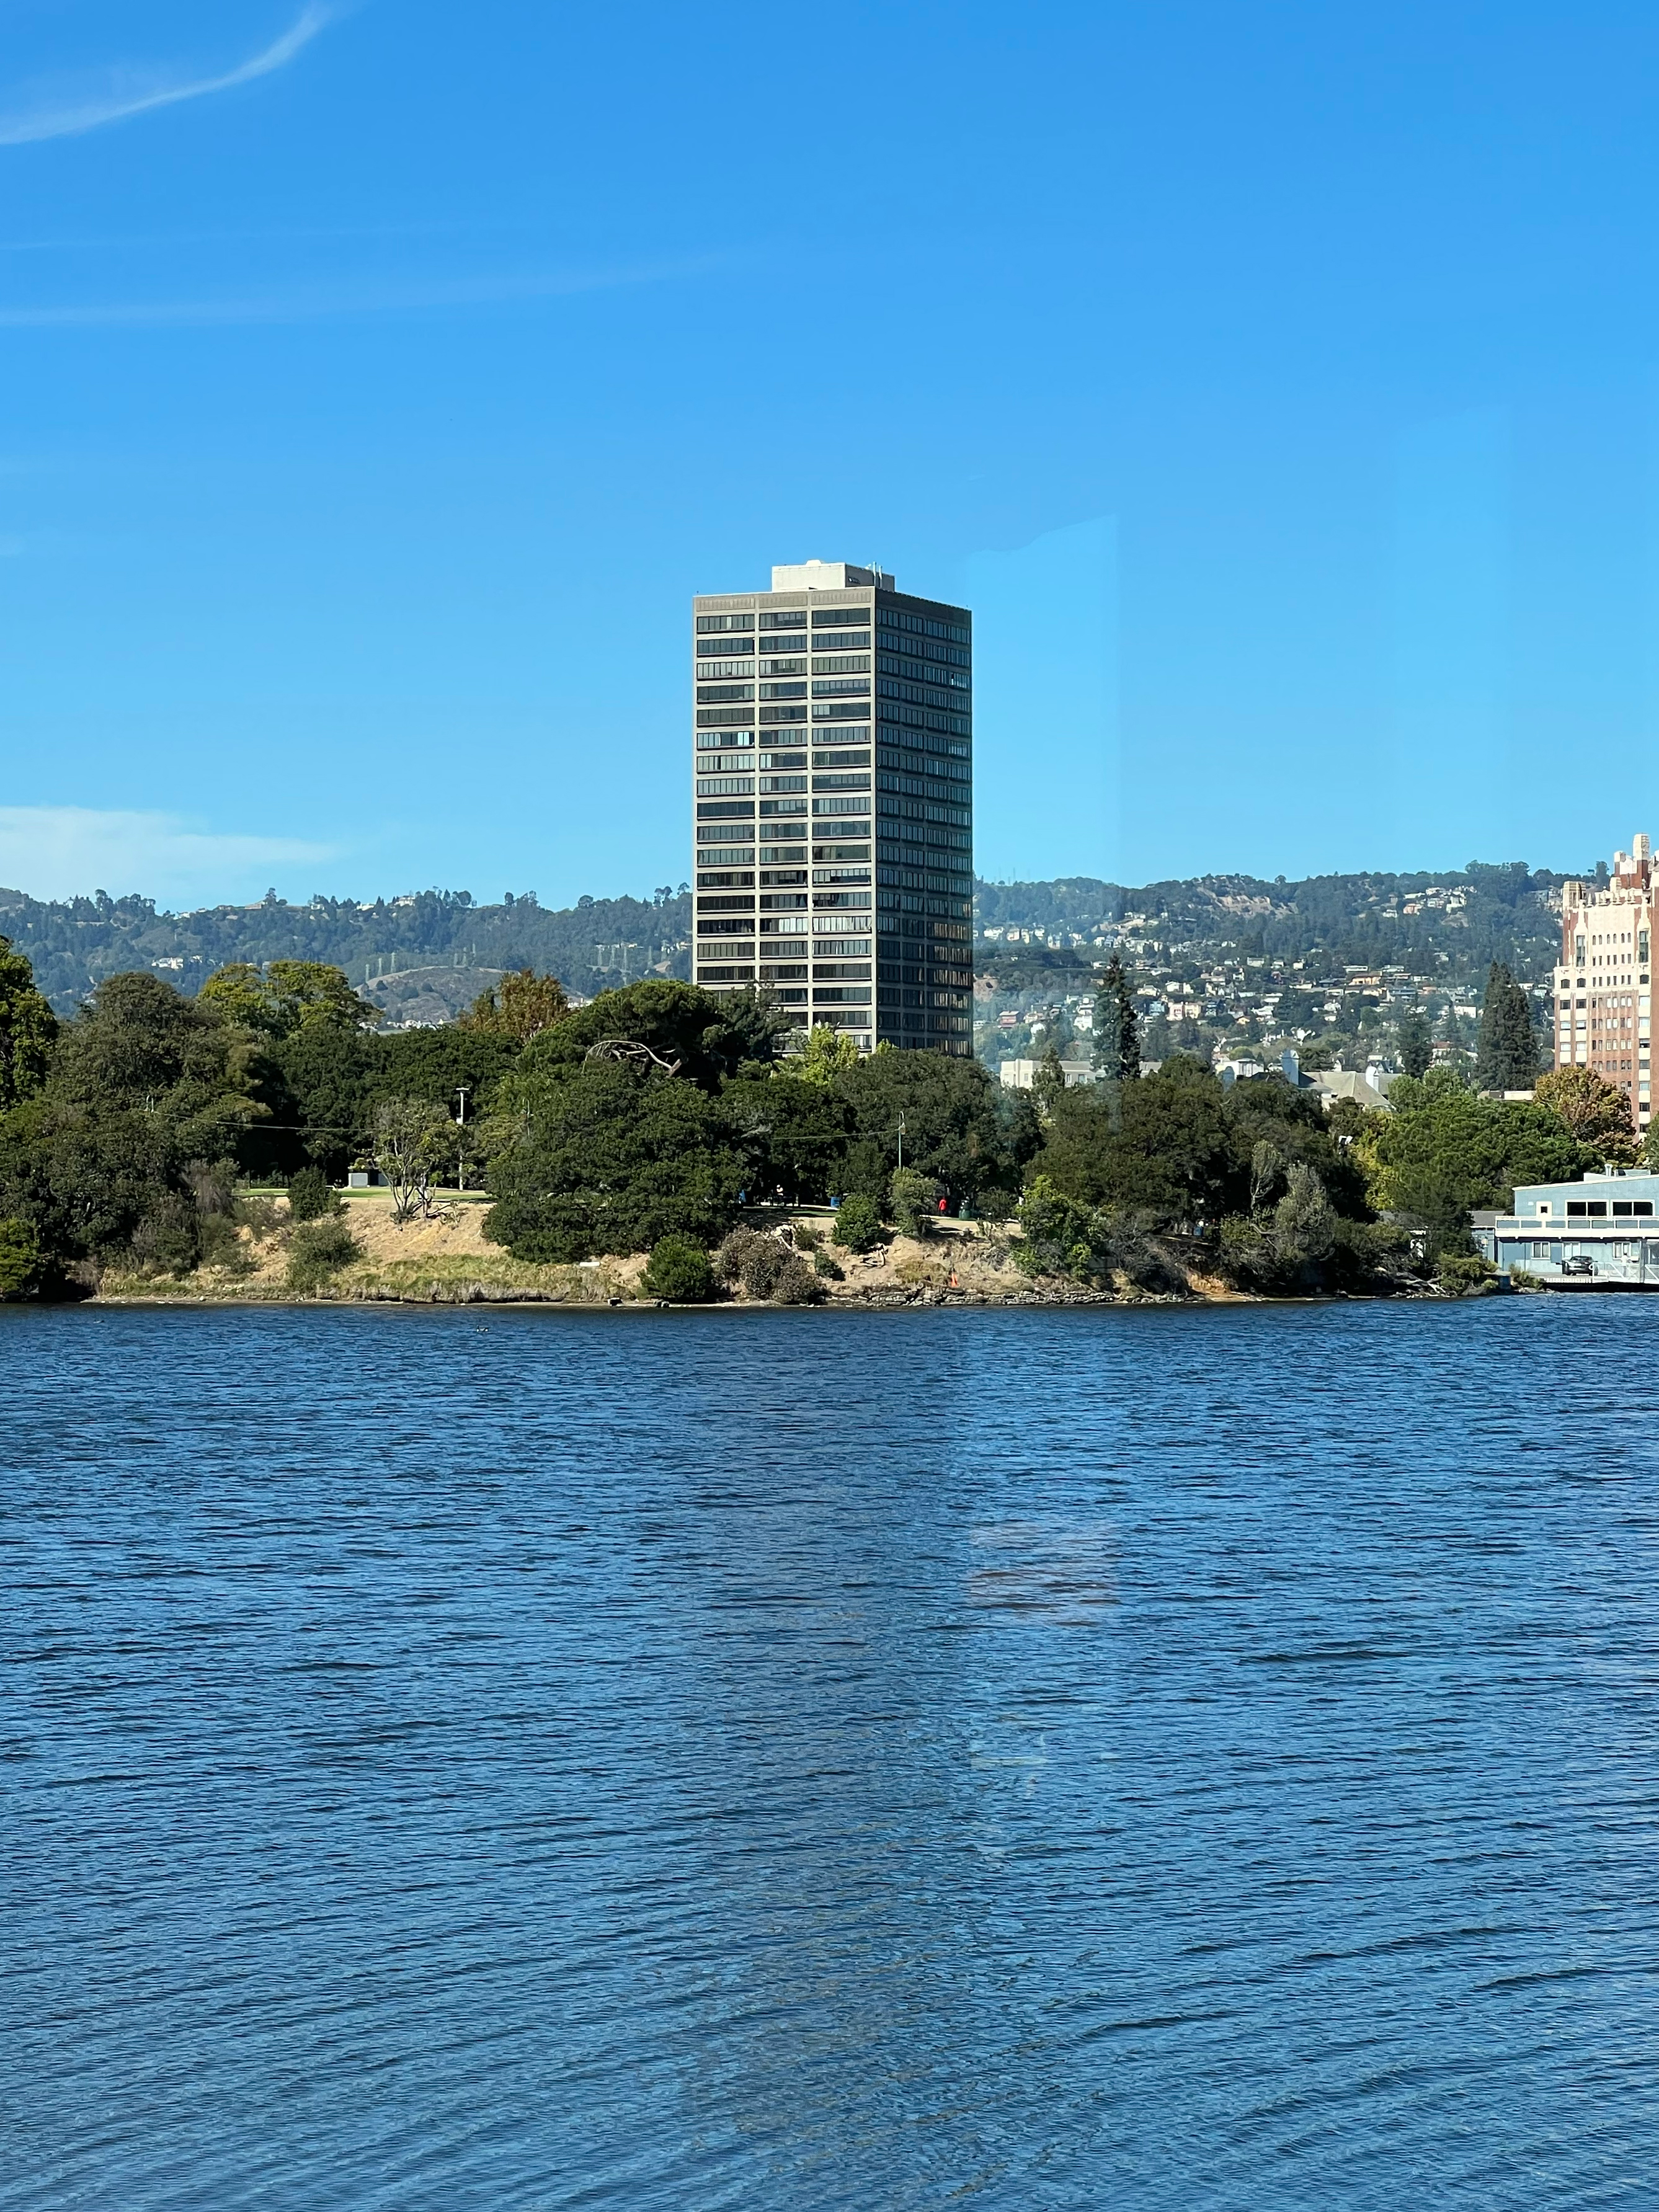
pixel 65 111
pixel 66 852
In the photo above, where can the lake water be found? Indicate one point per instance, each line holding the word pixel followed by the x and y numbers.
pixel 777 1761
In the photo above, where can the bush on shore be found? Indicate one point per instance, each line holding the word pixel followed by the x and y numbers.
pixel 319 1250
pixel 680 1271
pixel 858 1225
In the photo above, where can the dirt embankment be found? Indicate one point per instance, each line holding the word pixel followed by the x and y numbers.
pixel 442 1261
pixel 446 1260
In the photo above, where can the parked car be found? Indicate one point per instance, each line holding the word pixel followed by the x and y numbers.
pixel 1580 1264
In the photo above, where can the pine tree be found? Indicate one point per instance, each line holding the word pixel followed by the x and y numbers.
pixel 1506 1056
pixel 1117 1028
pixel 1416 1048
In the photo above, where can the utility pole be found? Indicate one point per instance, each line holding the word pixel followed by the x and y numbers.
pixel 461 1151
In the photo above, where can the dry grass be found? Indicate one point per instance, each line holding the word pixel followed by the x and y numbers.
pixel 443 1260
pixel 446 1260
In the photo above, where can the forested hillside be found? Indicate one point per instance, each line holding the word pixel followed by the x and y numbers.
pixel 1470 915
pixel 1452 924
pixel 73 944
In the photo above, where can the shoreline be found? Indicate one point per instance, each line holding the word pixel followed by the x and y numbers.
pixel 501 1297
pixel 444 1260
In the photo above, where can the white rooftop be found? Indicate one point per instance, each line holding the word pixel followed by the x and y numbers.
pixel 826 576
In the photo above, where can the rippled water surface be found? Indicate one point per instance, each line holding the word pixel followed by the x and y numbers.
pixel 783 1761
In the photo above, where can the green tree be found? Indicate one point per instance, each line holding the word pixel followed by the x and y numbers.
pixel 826 1054
pixel 1506 1053
pixel 1117 1025
pixel 19 1260
pixel 704 1037
pixel 29 1029
pixel 520 1006
pixel 1596 1111
pixel 1443 1149
pixel 1168 1152
pixel 310 1196
pixel 1049 1084
pixel 607 1159
pixel 143 1086
pixel 953 1125
pixel 913 1202
pixel 287 996
pixel 795 1130
pixel 1416 1046
pixel 411 1140
pixel 318 1087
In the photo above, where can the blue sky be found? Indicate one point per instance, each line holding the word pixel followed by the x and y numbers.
pixel 1278 383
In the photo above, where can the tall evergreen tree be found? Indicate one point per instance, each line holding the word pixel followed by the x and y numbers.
pixel 1416 1047
pixel 1506 1053
pixel 1117 1027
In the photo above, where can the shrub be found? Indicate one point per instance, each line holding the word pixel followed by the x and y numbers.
pixel 796 1283
pixel 1059 1232
pixel 19 1260
pixel 913 1201
pixel 753 1258
pixel 679 1270
pixel 319 1250
pixel 858 1225
pixel 259 1215
pixel 807 1240
pixel 1463 1273
pixel 311 1195
pixel 222 1247
pixel 824 1264
pixel 169 1239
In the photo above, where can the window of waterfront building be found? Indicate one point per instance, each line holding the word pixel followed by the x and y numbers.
pixel 724 879
pixel 713 625
pixel 785 618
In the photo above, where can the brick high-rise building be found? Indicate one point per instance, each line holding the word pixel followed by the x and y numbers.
pixel 1603 1001
pixel 833 792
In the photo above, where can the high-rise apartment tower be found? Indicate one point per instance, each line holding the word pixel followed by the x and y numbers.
pixel 833 775
pixel 1603 998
